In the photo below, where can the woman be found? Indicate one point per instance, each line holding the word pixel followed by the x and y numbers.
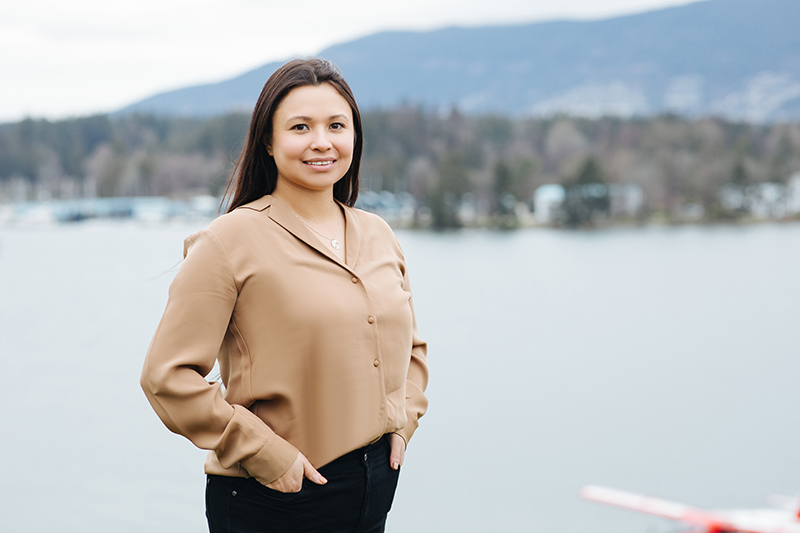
pixel 305 303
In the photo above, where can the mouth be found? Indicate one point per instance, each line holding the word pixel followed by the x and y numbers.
pixel 321 163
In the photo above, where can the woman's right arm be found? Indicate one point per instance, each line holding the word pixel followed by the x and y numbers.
pixel 183 350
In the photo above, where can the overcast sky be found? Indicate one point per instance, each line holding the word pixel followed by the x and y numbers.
pixel 70 58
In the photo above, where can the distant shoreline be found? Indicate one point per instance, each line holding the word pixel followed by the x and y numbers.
pixel 156 210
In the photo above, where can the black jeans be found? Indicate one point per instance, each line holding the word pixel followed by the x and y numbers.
pixel 356 499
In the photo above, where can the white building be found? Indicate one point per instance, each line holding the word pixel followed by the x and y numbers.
pixel 547 200
pixel 625 199
pixel 764 200
pixel 793 194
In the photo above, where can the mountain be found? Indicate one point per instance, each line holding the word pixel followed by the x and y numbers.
pixel 734 58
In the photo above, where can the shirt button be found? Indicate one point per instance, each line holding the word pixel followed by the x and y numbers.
pixel 371 319
pixel 365 456
pixel 354 279
pixel 376 362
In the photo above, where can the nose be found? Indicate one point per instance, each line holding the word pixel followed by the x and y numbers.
pixel 320 141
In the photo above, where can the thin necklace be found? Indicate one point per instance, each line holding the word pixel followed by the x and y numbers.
pixel 334 242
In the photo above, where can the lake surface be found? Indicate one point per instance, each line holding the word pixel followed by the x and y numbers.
pixel 663 361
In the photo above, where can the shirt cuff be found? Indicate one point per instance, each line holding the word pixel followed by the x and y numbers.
pixel 410 427
pixel 271 461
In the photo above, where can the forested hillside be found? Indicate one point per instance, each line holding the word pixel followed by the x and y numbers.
pixel 489 164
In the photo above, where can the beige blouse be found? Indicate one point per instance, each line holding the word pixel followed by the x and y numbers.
pixel 315 355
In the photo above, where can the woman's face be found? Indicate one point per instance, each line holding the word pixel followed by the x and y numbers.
pixel 312 138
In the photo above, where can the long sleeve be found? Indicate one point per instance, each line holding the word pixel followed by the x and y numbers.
pixel 183 350
pixel 417 379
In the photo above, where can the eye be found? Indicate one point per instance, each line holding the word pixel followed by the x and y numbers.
pixel 299 127
pixel 336 126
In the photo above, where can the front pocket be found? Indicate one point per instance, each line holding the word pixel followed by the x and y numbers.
pixel 276 494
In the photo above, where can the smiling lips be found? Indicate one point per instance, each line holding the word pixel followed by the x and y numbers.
pixel 320 163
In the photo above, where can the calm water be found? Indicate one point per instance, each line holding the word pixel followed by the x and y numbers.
pixel 662 361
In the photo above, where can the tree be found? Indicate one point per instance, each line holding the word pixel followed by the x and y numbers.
pixel 585 196
pixel 445 196
pixel 504 202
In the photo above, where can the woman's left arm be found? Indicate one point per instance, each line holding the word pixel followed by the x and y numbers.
pixel 416 382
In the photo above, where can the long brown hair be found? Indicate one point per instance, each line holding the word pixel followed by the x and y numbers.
pixel 255 173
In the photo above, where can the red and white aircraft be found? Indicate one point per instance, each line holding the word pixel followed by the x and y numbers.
pixel 786 519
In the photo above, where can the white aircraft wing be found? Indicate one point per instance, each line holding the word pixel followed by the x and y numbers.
pixel 707 520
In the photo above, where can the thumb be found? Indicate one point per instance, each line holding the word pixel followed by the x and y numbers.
pixel 311 473
pixel 394 459
pixel 398 449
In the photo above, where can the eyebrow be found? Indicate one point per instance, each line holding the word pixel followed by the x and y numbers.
pixel 309 119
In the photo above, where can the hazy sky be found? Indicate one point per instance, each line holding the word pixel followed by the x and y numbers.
pixel 69 58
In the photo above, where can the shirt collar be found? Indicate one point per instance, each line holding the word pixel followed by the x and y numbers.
pixel 258 205
pixel 281 214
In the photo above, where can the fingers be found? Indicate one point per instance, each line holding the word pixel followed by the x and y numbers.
pixel 398 450
pixel 312 474
pixel 292 479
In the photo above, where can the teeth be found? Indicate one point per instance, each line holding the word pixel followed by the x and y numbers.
pixel 320 163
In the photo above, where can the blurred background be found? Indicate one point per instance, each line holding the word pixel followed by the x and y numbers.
pixel 599 204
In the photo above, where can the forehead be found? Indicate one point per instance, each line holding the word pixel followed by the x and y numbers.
pixel 313 101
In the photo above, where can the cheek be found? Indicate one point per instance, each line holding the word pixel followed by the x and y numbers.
pixel 287 148
pixel 346 146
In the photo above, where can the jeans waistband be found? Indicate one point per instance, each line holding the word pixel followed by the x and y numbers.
pixel 380 445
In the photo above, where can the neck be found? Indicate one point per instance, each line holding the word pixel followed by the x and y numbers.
pixel 314 206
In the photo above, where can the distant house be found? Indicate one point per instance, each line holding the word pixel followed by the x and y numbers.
pixel 625 200
pixel 769 201
pixel 547 200
pixel 764 200
pixel 793 194
pixel 394 208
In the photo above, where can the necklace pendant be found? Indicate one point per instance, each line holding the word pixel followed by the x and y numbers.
pixel 335 244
